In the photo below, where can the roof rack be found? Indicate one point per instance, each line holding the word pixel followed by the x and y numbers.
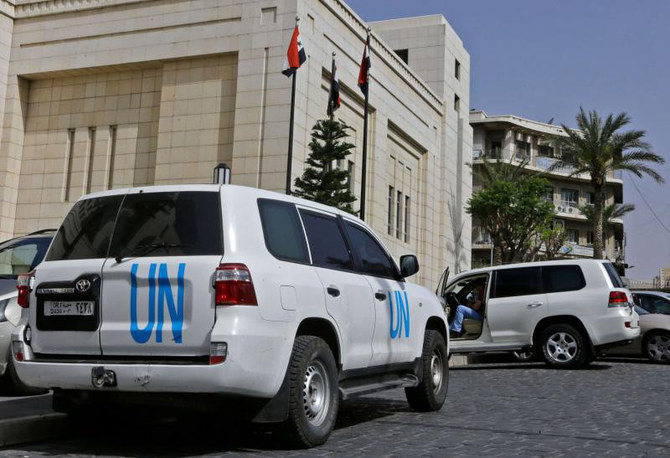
pixel 42 231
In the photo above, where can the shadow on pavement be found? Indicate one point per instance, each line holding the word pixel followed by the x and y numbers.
pixel 141 434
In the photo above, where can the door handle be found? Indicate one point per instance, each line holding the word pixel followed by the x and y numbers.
pixel 380 296
pixel 333 291
pixel 535 304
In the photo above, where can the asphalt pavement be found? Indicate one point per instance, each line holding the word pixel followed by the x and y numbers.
pixel 614 407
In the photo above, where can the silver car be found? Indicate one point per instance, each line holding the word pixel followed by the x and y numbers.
pixel 17 256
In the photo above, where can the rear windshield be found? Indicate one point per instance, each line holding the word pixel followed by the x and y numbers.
pixel 149 224
pixel 614 276
pixel 20 257
pixel 86 230
pixel 168 224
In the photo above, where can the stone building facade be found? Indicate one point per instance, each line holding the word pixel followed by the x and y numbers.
pixel 101 94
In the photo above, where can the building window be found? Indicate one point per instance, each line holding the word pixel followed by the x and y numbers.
pixel 589 238
pixel 545 150
pixel 589 198
pixel 269 15
pixel 350 178
pixel 457 103
pixel 569 197
pixel 389 220
pixel 522 150
pixel 548 195
pixel 457 69
pixel 407 213
pixel 403 54
pixel 572 235
pixel 398 215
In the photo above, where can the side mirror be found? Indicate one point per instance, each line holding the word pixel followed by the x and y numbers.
pixel 409 265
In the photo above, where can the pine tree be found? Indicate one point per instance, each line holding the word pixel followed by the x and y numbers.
pixel 321 182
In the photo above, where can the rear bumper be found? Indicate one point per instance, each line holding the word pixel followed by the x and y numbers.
pixel 611 329
pixel 258 355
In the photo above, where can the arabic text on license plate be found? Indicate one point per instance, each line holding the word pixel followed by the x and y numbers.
pixel 59 308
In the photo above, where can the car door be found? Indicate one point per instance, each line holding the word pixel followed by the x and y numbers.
pixel 68 283
pixel 397 320
pixel 515 305
pixel 348 294
pixel 157 294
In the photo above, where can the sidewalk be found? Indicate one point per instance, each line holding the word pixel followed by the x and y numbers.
pixel 29 419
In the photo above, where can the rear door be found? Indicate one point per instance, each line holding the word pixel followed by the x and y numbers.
pixel 348 294
pixel 68 283
pixel 516 304
pixel 157 295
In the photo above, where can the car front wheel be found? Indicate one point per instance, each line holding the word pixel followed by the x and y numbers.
pixel 564 346
pixel 431 392
pixel 656 347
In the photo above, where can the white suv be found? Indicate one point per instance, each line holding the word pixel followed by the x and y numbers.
pixel 168 293
pixel 566 310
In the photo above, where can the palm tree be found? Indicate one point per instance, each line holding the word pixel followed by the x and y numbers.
pixel 610 212
pixel 599 147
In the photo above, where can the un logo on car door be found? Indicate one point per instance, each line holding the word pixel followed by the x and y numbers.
pixel 399 316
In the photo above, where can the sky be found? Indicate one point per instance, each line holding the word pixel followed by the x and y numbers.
pixel 543 59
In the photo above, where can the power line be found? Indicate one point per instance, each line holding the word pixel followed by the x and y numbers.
pixel 650 208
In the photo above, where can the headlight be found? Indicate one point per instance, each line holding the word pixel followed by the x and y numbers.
pixel 3 306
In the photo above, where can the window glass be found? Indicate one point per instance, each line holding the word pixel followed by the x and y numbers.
pixel 21 257
pixel 374 259
pixel 283 232
pixel 325 241
pixel 614 276
pixel 168 224
pixel 662 306
pixel 86 230
pixel 517 282
pixel 562 278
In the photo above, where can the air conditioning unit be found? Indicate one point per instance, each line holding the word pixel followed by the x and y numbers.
pixel 560 209
pixel 571 209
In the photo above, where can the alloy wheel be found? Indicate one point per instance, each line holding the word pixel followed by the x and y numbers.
pixel 561 347
pixel 658 348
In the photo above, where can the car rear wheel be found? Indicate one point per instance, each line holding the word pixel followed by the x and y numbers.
pixel 564 346
pixel 656 347
pixel 313 393
pixel 431 392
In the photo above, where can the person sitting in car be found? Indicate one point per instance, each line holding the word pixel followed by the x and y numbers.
pixel 473 310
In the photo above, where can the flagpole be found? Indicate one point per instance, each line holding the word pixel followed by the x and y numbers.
pixel 289 160
pixel 365 138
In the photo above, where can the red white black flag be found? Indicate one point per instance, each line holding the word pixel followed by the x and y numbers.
pixel 296 55
pixel 363 76
pixel 334 96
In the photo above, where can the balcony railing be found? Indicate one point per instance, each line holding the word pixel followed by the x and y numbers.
pixel 490 154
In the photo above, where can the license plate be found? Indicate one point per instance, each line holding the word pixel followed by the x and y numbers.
pixel 68 308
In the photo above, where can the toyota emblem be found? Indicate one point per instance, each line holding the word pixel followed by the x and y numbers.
pixel 83 285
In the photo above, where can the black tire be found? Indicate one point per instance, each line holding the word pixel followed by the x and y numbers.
pixel 656 347
pixel 429 395
pixel 565 346
pixel 312 382
pixel 13 385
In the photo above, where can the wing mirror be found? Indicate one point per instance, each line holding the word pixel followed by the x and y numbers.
pixel 409 265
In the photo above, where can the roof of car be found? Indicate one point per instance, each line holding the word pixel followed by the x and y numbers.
pixel 656 293
pixel 42 233
pixel 532 264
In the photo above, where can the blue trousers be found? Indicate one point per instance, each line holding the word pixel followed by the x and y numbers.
pixel 463 312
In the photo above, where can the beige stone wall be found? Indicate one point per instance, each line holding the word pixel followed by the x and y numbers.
pixel 119 93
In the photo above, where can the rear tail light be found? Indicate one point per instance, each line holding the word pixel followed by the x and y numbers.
pixel 618 299
pixel 234 286
pixel 218 351
pixel 24 285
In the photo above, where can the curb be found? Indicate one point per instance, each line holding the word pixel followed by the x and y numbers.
pixel 32 428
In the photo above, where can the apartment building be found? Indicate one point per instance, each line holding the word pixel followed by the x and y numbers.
pixel 521 140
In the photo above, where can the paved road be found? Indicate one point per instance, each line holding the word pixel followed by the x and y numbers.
pixel 615 407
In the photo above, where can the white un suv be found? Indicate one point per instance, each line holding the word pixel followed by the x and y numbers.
pixel 567 311
pixel 217 293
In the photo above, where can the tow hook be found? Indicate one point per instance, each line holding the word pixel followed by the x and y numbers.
pixel 101 377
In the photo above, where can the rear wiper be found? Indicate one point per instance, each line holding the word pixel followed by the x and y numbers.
pixel 146 249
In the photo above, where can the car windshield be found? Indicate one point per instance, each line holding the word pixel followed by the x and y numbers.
pixel 21 256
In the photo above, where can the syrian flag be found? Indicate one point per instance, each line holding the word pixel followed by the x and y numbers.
pixel 334 96
pixel 363 76
pixel 296 55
